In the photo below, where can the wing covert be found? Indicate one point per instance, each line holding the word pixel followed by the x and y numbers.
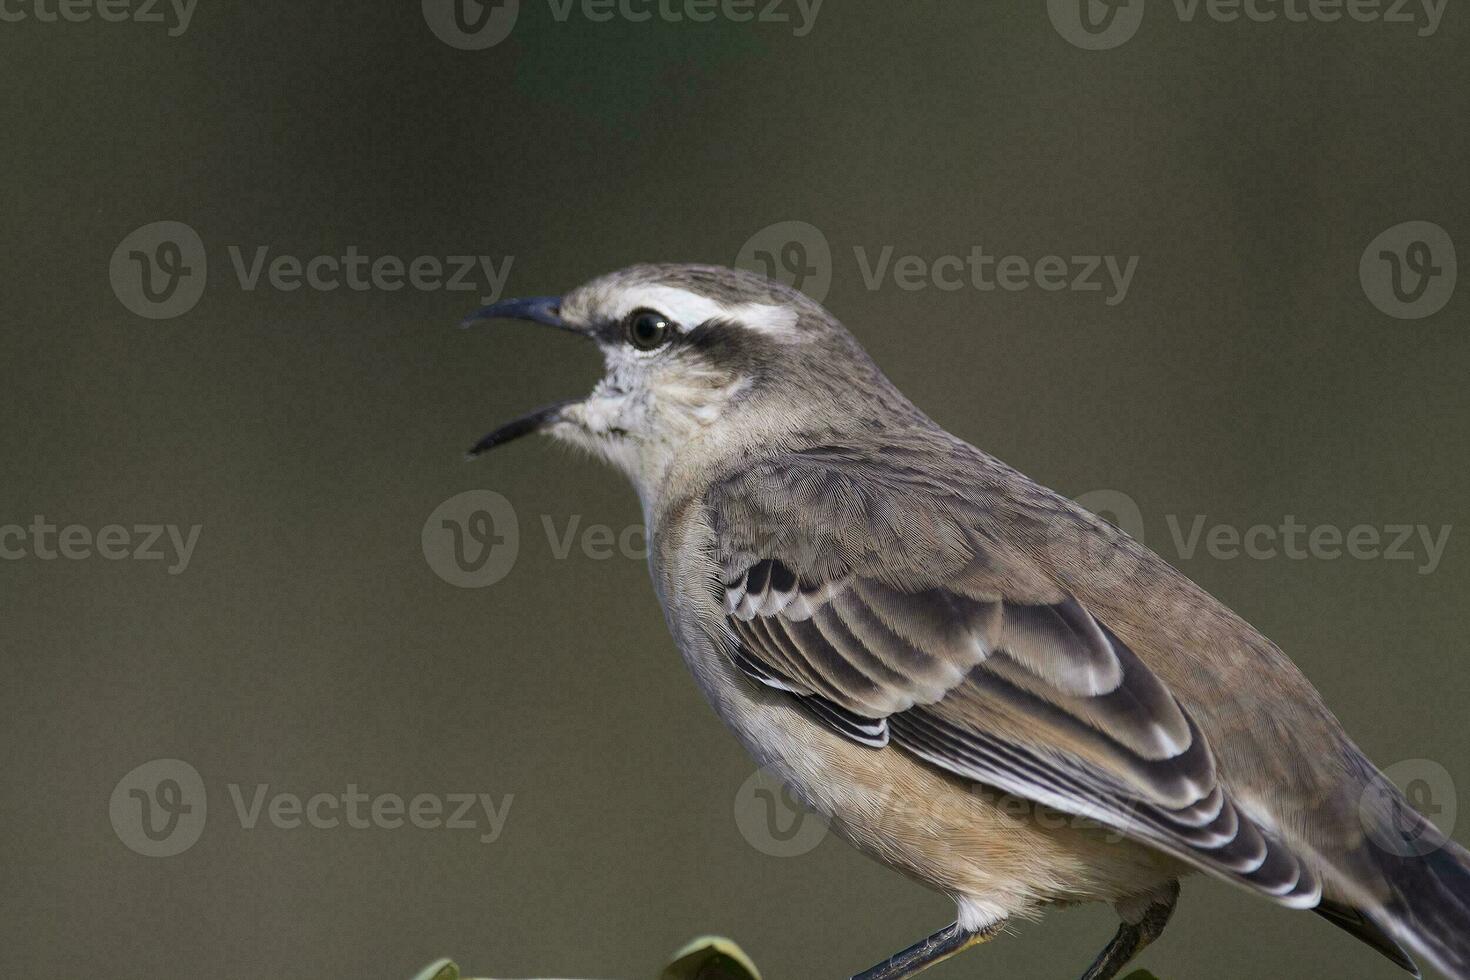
pixel 1038 699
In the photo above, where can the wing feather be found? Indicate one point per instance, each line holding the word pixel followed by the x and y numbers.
pixel 1039 699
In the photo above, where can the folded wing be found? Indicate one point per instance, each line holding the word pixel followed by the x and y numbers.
pixel 1038 699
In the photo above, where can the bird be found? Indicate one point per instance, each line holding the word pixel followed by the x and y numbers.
pixel 977 682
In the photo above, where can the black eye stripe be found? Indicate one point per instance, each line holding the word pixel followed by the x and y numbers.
pixel 726 341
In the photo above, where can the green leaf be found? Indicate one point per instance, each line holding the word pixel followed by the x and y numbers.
pixel 439 970
pixel 711 958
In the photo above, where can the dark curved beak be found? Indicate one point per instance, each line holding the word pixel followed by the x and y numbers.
pixel 537 309
pixel 525 425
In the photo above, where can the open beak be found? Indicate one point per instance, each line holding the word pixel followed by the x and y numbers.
pixel 545 310
pixel 537 309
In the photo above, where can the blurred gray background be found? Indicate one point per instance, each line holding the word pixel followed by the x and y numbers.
pixel 312 643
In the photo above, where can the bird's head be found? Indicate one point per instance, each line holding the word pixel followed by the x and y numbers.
pixel 702 361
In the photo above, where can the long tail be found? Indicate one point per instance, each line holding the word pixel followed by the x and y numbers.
pixel 1430 908
pixel 1427 904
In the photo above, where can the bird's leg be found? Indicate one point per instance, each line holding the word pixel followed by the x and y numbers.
pixel 1132 937
pixel 925 953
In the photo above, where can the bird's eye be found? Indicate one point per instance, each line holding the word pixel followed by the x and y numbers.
pixel 647 330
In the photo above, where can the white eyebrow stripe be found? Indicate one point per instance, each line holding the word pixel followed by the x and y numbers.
pixel 774 321
pixel 688 310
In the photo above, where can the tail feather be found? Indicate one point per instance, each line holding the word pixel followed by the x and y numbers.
pixel 1430 907
pixel 1426 904
pixel 1362 927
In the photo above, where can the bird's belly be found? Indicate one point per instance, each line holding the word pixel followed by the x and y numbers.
pixel 948 833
